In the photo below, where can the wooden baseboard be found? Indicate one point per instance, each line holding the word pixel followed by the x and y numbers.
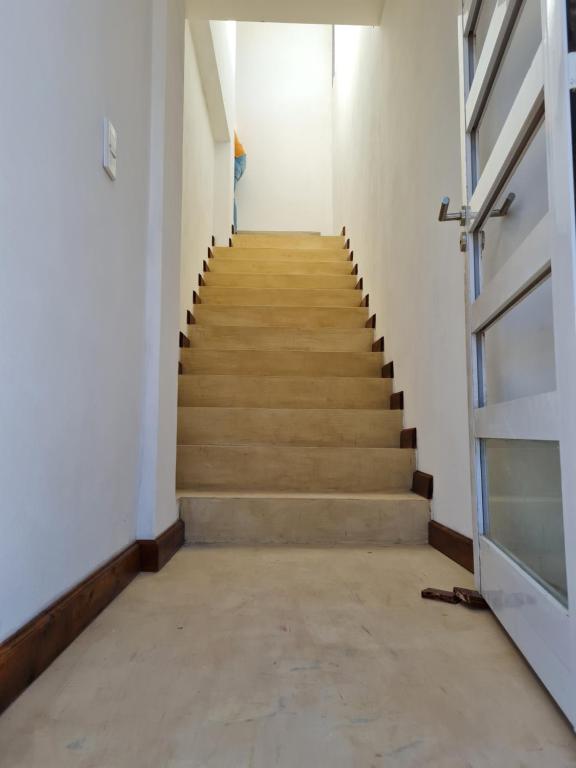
pixel 454 545
pixel 155 553
pixel 25 655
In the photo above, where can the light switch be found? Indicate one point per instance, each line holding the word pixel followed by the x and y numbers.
pixel 110 149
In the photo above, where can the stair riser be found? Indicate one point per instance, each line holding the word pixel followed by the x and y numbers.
pixel 254 297
pixel 268 267
pixel 275 339
pixel 283 392
pixel 282 363
pixel 288 317
pixel 310 242
pixel 269 255
pixel 277 468
pixel 239 426
pixel 367 522
pixel 292 282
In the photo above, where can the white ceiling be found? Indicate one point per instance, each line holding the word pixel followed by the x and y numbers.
pixel 366 12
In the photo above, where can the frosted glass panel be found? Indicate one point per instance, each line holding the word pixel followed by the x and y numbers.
pixel 529 182
pixel 523 504
pixel 519 355
pixel 481 28
pixel 522 46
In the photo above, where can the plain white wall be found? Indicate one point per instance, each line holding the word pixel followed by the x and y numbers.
pixel 198 181
pixel 283 76
pixel 73 251
pixel 396 154
pixel 157 508
pixel 209 105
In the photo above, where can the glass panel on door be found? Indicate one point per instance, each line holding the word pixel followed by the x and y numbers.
pixel 518 55
pixel 500 237
pixel 518 350
pixel 523 507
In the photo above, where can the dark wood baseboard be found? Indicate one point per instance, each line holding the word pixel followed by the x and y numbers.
pixel 28 652
pixel 408 438
pixel 155 553
pixel 25 655
pixel 397 401
pixel 423 484
pixel 388 369
pixel 454 545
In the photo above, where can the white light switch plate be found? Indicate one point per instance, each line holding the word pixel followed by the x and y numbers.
pixel 110 155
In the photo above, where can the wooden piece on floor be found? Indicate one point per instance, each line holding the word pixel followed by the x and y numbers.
pixel 454 545
pixel 184 341
pixel 196 298
pixel 442 595
pixel 365 301
pixel 378 345
pixel 371 322
pixel 471 598
pixel 190 319
pixel 355 270
pixel 210 254
pixel 360 284
pixel 201 281
pixel 155 553
pixel 205 266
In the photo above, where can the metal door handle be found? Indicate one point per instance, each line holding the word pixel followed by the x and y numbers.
pixel 445 216
pixel 498 212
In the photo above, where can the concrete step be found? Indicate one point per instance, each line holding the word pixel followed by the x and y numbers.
pixel 298 519
pixel 219 391
pixel 294 282
pixel 288 241
pixel 320 255
pixel 276 339
pixel 283 468
pixel 287 317
pixel 250 362
pixel 254 297
pixel 285 267
pixel 260 426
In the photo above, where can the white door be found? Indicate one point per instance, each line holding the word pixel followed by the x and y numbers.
pixel 518 227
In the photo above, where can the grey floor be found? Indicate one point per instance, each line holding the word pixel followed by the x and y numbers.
pixel 262 657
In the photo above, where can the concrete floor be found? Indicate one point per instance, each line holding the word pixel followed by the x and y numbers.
pixel 299 658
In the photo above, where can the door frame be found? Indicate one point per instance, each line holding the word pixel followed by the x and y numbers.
pixel 546 636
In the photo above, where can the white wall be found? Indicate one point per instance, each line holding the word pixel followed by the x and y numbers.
pixel 283 76
pixel 209 106
pixel 396 154
pixel 157 508
pixel 73 256
pixel 198 180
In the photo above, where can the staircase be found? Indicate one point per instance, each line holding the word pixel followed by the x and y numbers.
pixel 285 430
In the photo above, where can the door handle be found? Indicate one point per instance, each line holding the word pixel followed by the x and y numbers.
pixel 444 215
pixel 460 217
pixel 503 211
